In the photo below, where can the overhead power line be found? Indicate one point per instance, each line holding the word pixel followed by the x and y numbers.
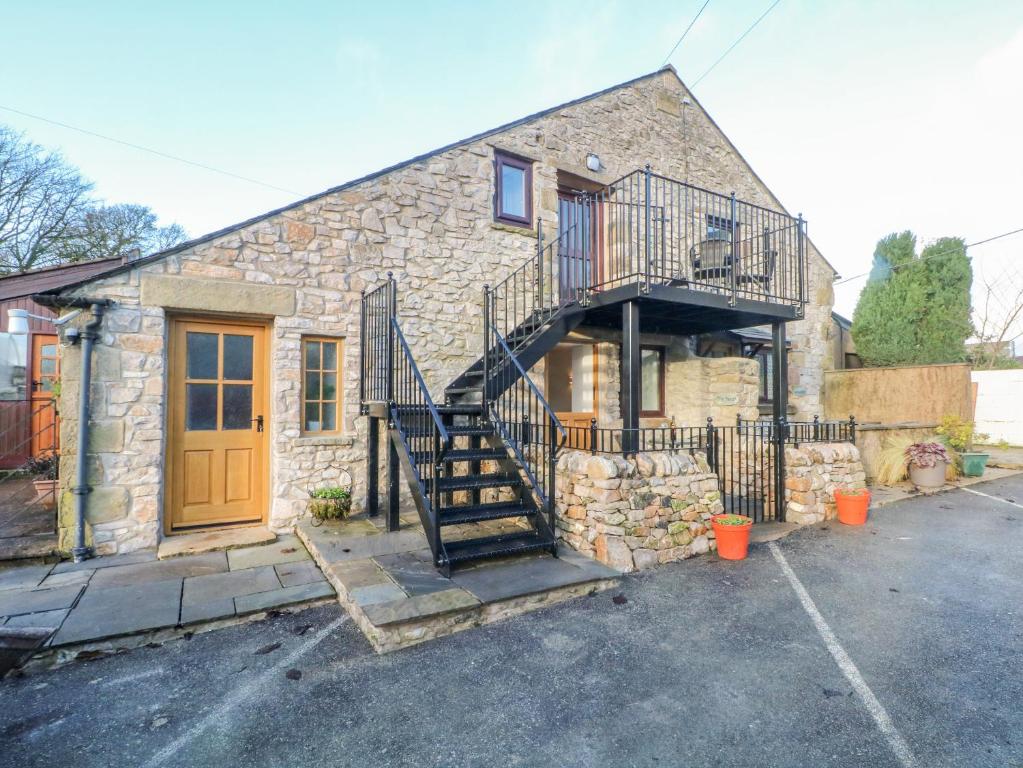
pixel 935 254
pixel 732 46
pixel 151 151
pixel 677 44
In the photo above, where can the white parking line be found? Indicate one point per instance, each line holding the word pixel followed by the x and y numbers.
pixel 989 496
pixel 241 695
pixel 852 674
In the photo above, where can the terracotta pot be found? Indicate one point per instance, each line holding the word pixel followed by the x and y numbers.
pixel 46 490
pixel 733 540
pixel 928 477
pixel 852 507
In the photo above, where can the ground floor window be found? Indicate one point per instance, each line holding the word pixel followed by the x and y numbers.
pixel 766 360
pixel 651 381
pixel 320 395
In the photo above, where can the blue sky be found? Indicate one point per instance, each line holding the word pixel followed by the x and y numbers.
pixel 866 116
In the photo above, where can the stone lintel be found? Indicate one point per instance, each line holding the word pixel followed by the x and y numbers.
pixel 206 295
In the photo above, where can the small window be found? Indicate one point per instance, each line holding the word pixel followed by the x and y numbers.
pixel 321 399
pixel 718 228
pixel 513 190
pixel 651 381
pixel 766 360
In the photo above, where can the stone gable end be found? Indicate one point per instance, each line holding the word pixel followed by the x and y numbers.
pixel 430 223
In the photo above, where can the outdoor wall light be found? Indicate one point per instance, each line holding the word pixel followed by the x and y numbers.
pixel 593 163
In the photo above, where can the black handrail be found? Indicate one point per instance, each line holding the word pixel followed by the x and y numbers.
pixel 426 440
pixel 376 344
pixel 528 425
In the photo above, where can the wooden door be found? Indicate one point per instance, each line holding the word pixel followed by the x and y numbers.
pixel 572 385
pixel 217 444
pixel 45 374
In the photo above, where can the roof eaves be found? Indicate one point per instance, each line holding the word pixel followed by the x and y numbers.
pixel 361 180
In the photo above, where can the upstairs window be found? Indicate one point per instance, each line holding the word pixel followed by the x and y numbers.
pixel 718 228
pixel 513 193
pixel 320 400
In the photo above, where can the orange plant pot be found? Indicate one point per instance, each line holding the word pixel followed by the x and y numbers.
pixel 852 507
pixel 733 540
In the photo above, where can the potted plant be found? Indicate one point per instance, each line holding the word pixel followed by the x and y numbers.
pixel 927 464
pixel 960 435
pixel 43 470
pixel 852 505
pixel 330 503
pixel 732 534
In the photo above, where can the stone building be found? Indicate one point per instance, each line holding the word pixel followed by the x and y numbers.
pixel 230 372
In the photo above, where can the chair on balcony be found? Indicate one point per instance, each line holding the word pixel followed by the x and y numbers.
pixel 759 272
pixel 712 261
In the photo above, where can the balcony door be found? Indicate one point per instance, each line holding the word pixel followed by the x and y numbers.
pixel 579 238
pixel 217 445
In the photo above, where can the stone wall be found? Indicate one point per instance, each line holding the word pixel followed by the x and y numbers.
pixel 812 473
pixel 635 513
pixel 302 269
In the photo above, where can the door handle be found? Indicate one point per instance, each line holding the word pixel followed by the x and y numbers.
pixel 259 423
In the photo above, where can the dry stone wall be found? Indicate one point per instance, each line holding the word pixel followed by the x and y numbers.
pixel 812 473
pixel 638 512
pixel 302 270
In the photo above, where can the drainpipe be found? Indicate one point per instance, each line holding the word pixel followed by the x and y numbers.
pixel 87 336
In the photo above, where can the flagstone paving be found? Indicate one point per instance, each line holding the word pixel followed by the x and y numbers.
pixel 122 595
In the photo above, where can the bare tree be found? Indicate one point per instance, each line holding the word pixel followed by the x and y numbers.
pixel 117 230
pixel 41 196
pixel 998 320
pixel 48 217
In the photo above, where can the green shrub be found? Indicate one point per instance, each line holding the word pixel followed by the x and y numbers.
pixel 332 503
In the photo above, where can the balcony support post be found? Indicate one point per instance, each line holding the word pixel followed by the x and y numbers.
pixel 631 383
pixel 780 402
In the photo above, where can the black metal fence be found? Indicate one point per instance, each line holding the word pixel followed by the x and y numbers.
pixel 746 456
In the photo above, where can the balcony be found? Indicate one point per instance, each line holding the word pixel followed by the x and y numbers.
pixel 706 260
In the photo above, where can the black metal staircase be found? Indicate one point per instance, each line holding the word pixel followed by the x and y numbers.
pixel 701 261
pixel 484 456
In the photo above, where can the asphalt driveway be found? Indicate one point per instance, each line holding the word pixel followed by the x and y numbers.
pixel 913 660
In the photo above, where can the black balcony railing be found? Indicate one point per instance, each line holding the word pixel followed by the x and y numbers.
pixel 649 229
pixel 674 439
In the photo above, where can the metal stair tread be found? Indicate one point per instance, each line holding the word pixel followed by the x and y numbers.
pixel 466 454
pixel 467 550
pixel 477 513
pixel 469 482
pixel 455 430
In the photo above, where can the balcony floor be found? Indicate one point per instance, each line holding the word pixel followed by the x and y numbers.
pixel 679 310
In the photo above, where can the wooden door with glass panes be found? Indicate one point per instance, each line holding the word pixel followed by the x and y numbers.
pixel 217 444
pixel 45 375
